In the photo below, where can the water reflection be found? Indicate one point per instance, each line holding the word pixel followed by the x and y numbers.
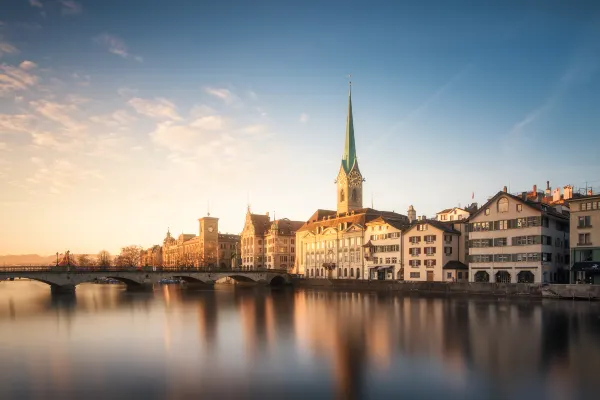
pixel 257 342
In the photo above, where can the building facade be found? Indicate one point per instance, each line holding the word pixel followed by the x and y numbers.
pixel 517 239
pixel 431 252
pixel 452 214
pixel 330 243
pixel 383 248
pixel 585 239
pixel 152 257
pixel 202 250
pixel 268 244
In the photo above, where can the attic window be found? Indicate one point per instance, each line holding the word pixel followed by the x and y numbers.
pixel 503 205
pixel 487 211
pixel 519 207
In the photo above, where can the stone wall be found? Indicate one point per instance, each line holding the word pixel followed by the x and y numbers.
pixel 577 292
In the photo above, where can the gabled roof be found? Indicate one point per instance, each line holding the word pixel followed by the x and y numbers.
pixel 454 264
pixel 260 222
pixel 447 210
pixel 543 208
pixel 444 227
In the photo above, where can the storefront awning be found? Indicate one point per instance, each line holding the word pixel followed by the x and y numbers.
pixel 587 266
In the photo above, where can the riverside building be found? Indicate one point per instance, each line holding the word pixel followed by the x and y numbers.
pixel 517 239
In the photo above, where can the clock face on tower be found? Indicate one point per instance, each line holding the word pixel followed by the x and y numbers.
pixel 211 229
pixel 355 179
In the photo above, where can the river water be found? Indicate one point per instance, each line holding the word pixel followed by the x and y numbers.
pixel 265 343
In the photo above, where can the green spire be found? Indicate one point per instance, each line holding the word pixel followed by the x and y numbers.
pixel 349 157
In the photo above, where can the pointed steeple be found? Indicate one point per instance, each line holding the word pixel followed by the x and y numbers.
pixel 349 157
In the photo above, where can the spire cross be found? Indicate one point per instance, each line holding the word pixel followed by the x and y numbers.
pixel 350 80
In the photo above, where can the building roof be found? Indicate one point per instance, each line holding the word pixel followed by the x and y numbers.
pixel 583 198
pixel 327 218
pixel 286 226
pixel 543 208
pixel 229 236
pixel 443 226
pixel 261 223
pixel 454 264
pixel 349 156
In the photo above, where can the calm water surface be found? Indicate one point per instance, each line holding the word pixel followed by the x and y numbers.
pixel 275 344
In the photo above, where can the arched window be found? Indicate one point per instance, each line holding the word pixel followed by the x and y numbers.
pixel 345 272
pixel 352 272
pixel 502 277
pixel 339 272
pixel 322 272
pixel 353 194
pixel 342 197
pixel 525 277
pixel 317 272
pixel 312 272
pixel 503 205
pixel 482 276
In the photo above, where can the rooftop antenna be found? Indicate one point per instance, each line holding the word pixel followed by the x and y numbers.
pixel 372 201
pixel 208 208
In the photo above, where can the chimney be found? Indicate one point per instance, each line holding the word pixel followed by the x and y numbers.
pixel 412 214
pixel 534 189
pixel 589 192
pixel 548 189
pixel 524 196
pixel 556 194
pixel 505 189
pixel 568 193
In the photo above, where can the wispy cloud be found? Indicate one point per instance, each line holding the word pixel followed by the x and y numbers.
pixel 36 3
pixel 14 79
pixel 158 108
pixel 115 45
pixel 303 118
pixel 7 48
pixel 14 123
pixel 70 7
pixel 62 114
pixel 221 93
pixel 28 65
pixel 209 123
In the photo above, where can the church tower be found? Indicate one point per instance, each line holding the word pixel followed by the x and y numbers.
pixel 349 180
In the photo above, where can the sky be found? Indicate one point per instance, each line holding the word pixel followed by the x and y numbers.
pixel 120 120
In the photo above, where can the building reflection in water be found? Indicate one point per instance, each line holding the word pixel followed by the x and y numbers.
pixel 253 342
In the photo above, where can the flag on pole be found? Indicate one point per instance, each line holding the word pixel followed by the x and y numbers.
pixel 472 195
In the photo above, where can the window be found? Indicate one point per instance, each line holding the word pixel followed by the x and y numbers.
pixel 415 252
pixel 394 260
pixel 503 225
pixel 584 222
pixel 584 238
pixel 503 205
pixel 449 275
pixel 430 238
pixel 430 263
pixel 500 242
pixel 414 263
pixel 448 250
pixel 415 275
pixel 430 251
pixel 448 238
pixel 415 239
pixel 452 218
pixel 354 195
pixel 519 207
pixel 547 257
pixel 342 197
pixel 487 211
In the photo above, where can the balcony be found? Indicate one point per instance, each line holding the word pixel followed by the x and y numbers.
pixel 584 244
pixel 584 226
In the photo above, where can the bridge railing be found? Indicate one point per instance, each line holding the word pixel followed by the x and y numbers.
pixel 73 269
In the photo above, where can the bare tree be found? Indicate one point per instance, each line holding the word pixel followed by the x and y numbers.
pixel 103 259
pixel 130 256
pixel 84 260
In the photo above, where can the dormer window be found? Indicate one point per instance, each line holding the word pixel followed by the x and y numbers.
pixel 503 205
pixel 487 211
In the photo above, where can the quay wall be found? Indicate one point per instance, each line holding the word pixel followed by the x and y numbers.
pixel 585 292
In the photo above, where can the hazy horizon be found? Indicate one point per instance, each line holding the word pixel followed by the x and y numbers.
pixel 121 120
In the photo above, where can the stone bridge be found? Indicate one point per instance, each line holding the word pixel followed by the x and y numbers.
pixel 62 280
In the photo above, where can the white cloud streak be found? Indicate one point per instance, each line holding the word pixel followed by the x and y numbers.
pixel 115 45
pixel 303 118
pixel 14 79
pixel 158 108
pixel 221 93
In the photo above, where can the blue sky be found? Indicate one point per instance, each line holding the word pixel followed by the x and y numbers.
pixel 120 119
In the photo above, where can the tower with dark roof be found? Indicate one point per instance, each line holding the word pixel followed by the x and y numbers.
pixel 349 180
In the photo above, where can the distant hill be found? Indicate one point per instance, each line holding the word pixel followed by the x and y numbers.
pixel 27 259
